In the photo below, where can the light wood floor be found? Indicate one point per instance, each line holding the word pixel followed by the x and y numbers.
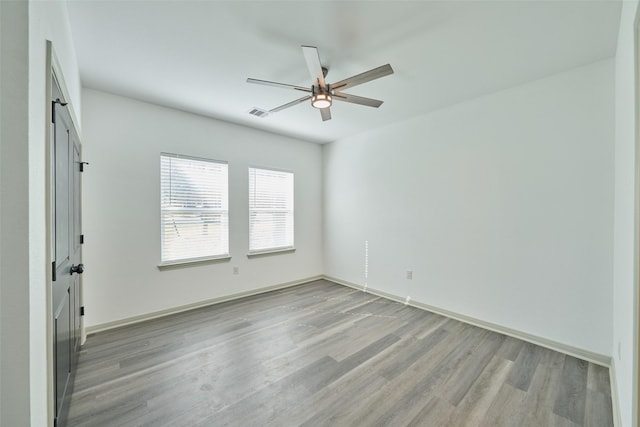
pixel 322 354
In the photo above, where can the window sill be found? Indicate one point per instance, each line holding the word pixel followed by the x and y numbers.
pixel 270 252
pixel 171 265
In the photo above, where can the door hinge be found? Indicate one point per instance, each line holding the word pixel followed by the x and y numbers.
pixel 82 311
pixel 82 239
pixel 82 166
pixel 53 271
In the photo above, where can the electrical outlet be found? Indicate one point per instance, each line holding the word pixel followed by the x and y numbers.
pixel 236 270
pixel 409 275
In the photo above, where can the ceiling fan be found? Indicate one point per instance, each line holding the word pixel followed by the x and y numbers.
pixel 321 93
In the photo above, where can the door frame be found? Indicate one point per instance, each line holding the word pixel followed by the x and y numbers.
pixel 54 70
pixel 635 399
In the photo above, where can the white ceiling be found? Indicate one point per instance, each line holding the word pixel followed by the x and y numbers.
pixel 197 55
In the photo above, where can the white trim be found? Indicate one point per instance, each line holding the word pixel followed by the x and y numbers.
pixel 635 344
pixel 270 252
pixel 190 262
pixel 269 168
pixel 615 398
pixel 50 71
pixel 184 156
pixel 589 356
pixel 57 71
pixel 598 359
pixel 157 314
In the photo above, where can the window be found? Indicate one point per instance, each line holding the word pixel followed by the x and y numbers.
pixel 194 205
pixel 270 210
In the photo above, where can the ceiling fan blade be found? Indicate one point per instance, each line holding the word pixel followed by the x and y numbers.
pixel 325 113
pixel 291 104
pixel 345 97
pixel 282 85
pixel 367 76
pixel 313 64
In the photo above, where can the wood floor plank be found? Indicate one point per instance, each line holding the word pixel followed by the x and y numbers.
pixel 432 325
pixel 598 379
pixel 321 354
pixel 360 335
pixel 418 322
pixel 264 404
pixel 511 348
pixel 598 411
pixel 505 408
pixel 572 396
pixel 407 356
pixel 417 383
pixel 543 390
pixel 344 366
pixel 472 409
pixel 435 413
pixel 467 373
pixel 559 421
pixel 335 404
pixel 525 366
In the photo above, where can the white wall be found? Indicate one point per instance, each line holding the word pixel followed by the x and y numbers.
pixel 14 211
pixel 624 340
pixel 122 141
pixel 26 26
pixel 501 207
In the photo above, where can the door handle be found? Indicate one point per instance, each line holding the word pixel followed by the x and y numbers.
pixel 77 269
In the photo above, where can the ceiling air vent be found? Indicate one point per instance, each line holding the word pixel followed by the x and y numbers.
pixel 258 112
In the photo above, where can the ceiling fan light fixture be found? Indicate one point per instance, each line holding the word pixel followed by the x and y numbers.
pixel 321 100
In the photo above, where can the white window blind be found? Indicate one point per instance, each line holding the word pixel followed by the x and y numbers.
pixel 194 205
pixel 270 210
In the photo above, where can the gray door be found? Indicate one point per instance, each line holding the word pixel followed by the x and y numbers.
pixel 67 253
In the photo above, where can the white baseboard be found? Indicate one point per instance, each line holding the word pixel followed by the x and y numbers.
pixel 615 398
pixel 589 356
pixel 553 345
pixel 156 314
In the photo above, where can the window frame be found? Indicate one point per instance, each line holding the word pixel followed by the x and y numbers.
pixel 181 262
pixel 272 250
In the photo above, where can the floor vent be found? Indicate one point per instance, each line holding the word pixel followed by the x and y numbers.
pixel 258 112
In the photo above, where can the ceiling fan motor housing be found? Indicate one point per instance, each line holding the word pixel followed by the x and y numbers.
pixel 321 97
